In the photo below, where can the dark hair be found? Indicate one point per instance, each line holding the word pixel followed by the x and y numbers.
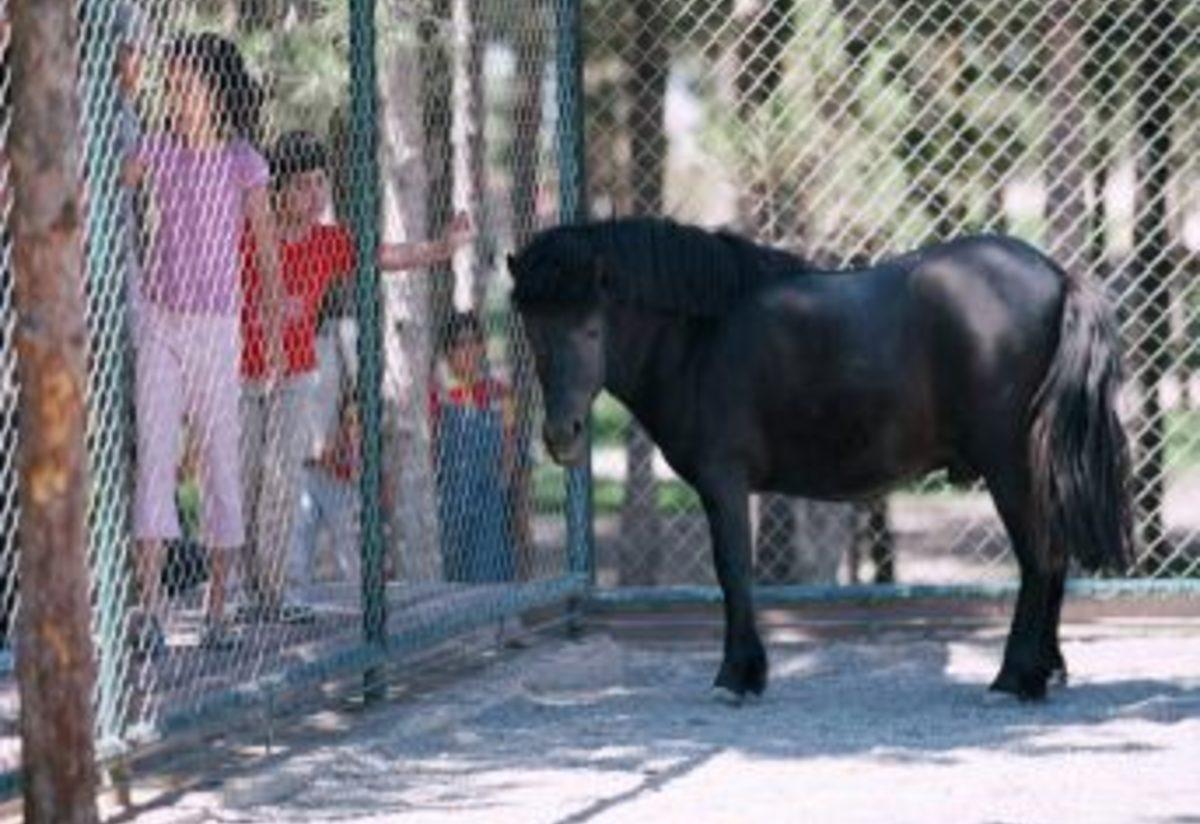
pixel 650 262
pixel 220 66
pixel 463 327
pixel 295 153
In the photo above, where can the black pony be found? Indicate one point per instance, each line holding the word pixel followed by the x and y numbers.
pixel 754 372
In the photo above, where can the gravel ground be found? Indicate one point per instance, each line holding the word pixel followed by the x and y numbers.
pixel 858 726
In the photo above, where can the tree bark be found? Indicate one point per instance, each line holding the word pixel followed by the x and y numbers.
pixel 529 46
pixel 646 55
pixel 55 665
pixel 1102 69
pixel 767 28
pixel 1066 146
pixel 470 13
pixel 437 92
pixel 256 15
pixel 1156 75
pixel 407 334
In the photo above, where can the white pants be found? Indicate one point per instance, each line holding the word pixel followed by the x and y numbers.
pixel 272 452
pixel 187 370
pixel 328 507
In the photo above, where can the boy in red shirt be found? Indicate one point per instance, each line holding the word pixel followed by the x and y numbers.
pixel 313 257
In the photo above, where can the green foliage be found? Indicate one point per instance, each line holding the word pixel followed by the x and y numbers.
pixel 896 125
pixel 608 495
pixel 301 60
pixel 1183 439
pixel 609 421
pixel 305 67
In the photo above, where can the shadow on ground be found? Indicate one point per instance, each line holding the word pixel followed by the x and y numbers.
pixel 585 730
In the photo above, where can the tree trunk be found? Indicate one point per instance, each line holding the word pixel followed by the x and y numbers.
pixel 1102 70
pixel 8 377
pixel 1156 75
pixel 529 46
pixel 883 541
pixel 407 335
pixel 55 667
pixel 437 112
pixel 256 15
pixel 646 57
pixel 767 28
pixel 1066 146
pixel 932 185
pixel 472 19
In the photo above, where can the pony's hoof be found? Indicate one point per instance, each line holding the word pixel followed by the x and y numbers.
pixel 995 698
pixel 726 696
pixel 1025 687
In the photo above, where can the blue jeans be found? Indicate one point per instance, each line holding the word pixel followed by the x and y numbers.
pixel 472 504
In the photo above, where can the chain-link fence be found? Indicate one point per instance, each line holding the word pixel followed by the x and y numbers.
pixel 311 415
pixel 849 131
pixel 312 428
pixel 8 423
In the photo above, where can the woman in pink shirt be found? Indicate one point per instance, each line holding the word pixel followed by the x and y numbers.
pixel 204 180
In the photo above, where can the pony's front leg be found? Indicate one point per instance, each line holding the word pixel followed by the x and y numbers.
pixel 744 667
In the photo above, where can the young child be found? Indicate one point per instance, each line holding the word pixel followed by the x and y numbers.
pixel 203 179
pixel 473 425
pixel 329 506
pixel 314 257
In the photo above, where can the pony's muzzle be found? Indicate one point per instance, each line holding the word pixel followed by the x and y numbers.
pixel 565 441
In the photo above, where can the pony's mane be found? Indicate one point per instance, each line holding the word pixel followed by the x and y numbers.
pixel 649 262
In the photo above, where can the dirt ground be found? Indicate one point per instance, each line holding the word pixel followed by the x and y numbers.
pixel 870 717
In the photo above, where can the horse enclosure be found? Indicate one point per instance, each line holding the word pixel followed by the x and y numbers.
pixel 848 132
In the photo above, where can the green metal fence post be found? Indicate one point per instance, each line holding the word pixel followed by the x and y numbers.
pixel 573 209
pixel 109 367
pixel 365 219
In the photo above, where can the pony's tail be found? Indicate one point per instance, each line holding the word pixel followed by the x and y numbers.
pixel 1078 449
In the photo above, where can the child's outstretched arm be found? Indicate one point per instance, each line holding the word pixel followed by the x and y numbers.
pixel 398 257
pixel 266 250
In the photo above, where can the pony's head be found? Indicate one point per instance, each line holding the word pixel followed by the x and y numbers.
pixel 558 291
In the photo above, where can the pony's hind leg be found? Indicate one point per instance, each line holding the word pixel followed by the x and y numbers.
pixel 1051 651
pixel 1031 654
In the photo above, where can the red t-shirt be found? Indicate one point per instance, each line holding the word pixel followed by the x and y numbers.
pixel 308 266
pixel 485 393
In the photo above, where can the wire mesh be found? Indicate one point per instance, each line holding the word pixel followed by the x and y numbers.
pixel 8 426
pixel 311 414
pixel 850 131
pixel 845 130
